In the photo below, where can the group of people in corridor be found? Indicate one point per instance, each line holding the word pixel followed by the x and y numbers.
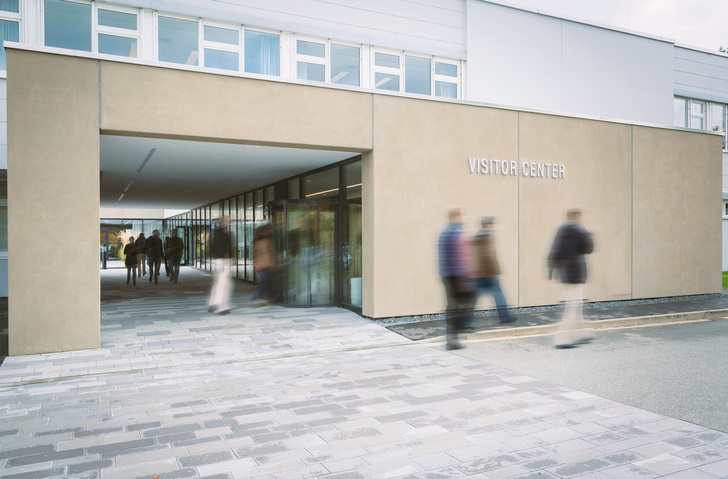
pixel 150 252
pixel 144 252
pixel 470 266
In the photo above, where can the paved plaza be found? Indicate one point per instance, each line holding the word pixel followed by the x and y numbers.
pixel 273 392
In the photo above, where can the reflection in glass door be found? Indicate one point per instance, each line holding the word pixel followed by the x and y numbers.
pixel 305 237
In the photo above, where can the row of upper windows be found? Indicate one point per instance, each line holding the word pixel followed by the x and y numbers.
pixel 702 115
pixel 114 30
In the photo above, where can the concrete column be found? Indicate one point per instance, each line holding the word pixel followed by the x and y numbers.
pixel 53 203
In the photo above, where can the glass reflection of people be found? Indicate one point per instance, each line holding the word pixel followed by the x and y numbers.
pixel 572 242
pixel 176 250
pixel 222 248
pixel 130 260
pixel 455 271
pixel 263 263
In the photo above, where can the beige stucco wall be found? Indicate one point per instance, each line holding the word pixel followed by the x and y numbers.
pixel 597 160
pixel 633 183
pixel 636 186
pixel 170 103
pixel 677 202
pixel 53 203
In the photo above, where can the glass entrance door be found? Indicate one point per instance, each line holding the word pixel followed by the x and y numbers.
pixel 305 235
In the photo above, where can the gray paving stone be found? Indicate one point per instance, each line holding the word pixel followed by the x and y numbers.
pixel 204 459
pixel 167 431
pixel 142 426
pixel 580 468
pixel 121 446
pixel 171 379
pixel 55 472
pixel 89 466
pixel 49 456
pixel 25 451
pixel 97 432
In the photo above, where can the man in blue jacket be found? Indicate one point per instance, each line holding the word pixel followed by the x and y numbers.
pixel 573 241
pixel 455 271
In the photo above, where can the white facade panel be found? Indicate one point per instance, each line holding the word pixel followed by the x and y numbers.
pixel 524 59
pixel 504 66
pixel 616 75
pixel 691 66
pixel 435 27
pixel 701 75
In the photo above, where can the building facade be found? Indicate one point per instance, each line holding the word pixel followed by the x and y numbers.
pixel 359 125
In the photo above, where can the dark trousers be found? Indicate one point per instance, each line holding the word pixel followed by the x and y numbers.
pixel 131 273
pixel 460 303
pixel 491 285
pixel 262 293
pixel 174 262
pixel 154 264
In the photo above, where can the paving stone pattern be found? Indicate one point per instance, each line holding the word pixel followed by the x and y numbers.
pixel 177 392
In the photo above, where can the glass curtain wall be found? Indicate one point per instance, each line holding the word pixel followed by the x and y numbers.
pixel 247 212
pixel 351 290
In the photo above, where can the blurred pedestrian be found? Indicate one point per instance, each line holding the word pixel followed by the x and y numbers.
pixel 166 255
pixel 154 255
pixel 487 270
pixel 455 271
pixel 130 260
pixel 264 260
pixel 222 253
pixel 141 255
pixel 572 242
pixel 176 251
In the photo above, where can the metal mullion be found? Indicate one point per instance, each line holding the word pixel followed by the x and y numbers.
pixel 200 43
pixel 94 28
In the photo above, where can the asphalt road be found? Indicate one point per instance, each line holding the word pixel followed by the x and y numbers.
pixel 679 370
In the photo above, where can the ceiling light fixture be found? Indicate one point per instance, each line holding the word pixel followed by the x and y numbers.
pixel 144 163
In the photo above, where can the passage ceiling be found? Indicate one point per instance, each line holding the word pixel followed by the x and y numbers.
pixel 159 173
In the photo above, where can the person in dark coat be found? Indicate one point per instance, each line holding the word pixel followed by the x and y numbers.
pixel 131 260
pixel 487 269
pixel 572 243
pixel 176 250
pixel 154 255
pixel 222 253
pixel 455 271
pixel 167 268
pixel 141 255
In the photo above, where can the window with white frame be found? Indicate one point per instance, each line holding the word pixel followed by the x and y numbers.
pixel 703 115
pixel 418 75
pixel 327 61
pixel 417 72
pixel 310 60
pixel 178 40
pixel 262 52
pixel 697 114
pixel 67 24
pixel 447 79
pixel 117 31
pixel 719 120
pixel 345 61
pixel 221 47
pixel 91 27
pixel 387 71
pixel 9 26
